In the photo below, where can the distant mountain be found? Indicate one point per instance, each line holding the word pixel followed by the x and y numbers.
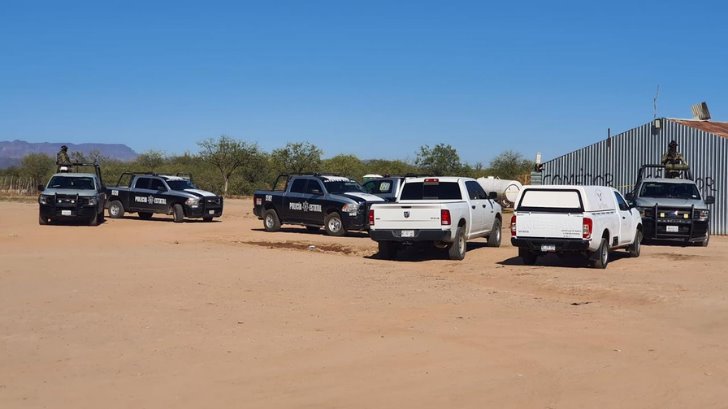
pixel 12 152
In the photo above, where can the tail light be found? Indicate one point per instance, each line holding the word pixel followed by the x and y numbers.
pixel 445 217
pixel 586 228
pixel 513 225
pixel 371 217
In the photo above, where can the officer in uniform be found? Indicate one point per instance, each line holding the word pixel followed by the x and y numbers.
pixel 674 161
pixel 62 159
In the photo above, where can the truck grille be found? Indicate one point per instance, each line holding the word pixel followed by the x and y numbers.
pixel 67 200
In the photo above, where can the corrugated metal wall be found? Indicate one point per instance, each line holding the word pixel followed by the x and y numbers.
pixel 615 163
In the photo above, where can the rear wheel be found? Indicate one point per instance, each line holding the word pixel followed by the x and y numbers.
pixel 271 221
pixel 635 248
pixel 529 257
pixel 145 215
pixel 388 250
pixel 333 225
pixel 116 209
pixel 601 257
pixel 179 213
pixel 494 240
pixel 457 248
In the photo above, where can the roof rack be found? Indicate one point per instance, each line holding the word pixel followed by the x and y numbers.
pixel 683 170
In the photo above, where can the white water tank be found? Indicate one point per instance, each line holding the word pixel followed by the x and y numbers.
pixel 507 190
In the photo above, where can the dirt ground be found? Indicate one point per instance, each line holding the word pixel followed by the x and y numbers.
pixel 153 314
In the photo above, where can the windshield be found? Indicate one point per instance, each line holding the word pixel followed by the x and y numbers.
pixel 181 184
pixel 670 190
pixel 67 182
pixel 335 187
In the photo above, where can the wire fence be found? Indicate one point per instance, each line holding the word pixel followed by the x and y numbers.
pixel 18 185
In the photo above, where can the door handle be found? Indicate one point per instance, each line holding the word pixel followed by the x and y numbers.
pixel 484 206
pixel 473 206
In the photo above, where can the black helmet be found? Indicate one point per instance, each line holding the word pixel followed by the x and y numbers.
pixel 672 143
pixel 64 147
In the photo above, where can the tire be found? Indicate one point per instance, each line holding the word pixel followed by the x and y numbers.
pixel 313 229
pixel 456 251
pixel 333 225
pixel 145 215
pixel 529 257
pixel 601 256
pixel 94 220
pixel 388 250
pixel 179 213
pixel 207 219
pixel 102 217
pixel 494 240
pixel 42 220
pixel 706 241
pixel 116 210
pixel 636 246
pixel 271 221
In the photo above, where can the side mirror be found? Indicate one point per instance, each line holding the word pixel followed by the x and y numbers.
pixel 161 188
pixel 492 195
pixel 41 188
pixel 316 192
pixel 709 200
pixel 629 196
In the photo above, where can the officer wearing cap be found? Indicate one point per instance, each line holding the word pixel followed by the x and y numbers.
pixel 62 159
pixel 674 161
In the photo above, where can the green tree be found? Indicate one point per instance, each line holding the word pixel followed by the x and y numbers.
pixel 389 167
pixel 227 155
pixel 37 166
pixel 344 165
pixel 510 165
pixel 150 160
pixel 441 160
pixel 297 157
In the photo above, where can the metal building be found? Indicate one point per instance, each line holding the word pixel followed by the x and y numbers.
pixel 616 160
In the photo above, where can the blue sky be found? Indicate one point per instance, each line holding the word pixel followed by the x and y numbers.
pixel 374 78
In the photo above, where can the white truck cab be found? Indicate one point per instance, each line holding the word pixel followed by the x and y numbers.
pixel 591 220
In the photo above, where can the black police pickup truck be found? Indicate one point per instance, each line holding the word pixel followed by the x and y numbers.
pixel 149 193
pixel 337 203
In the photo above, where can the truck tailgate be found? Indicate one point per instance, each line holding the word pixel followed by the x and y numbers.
pixel 407 216
pixel 549 224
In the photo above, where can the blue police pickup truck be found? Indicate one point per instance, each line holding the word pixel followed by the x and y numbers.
pixel 149 193
pixel 337 203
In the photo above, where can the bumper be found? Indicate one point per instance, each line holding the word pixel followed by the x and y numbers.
pixel 692 230
pixel 203 211
pixel 68 213
pixel 560 245
pixel 419 235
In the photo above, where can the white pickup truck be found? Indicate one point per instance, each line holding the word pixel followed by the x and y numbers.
pixel 591 220
pixel 445 211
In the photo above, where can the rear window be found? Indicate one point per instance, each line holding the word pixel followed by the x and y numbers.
pixel 566 200
pixel 428 191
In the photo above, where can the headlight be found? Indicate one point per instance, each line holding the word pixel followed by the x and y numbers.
pixel 193 202
pixel 645 212
pixel 44 199
pixel 92 201
pixel 703 215
pixel 350 208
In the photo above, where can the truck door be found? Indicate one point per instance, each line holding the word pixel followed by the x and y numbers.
pixel 159 192
pixel 626 221
pixel 479 208
pixel 293 203
pixel 139 195
pixel 313 206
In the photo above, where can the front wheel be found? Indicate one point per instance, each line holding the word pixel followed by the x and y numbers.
pixel 42 220
pixel 636 246
pixel 494 240
pixel 457 248
pixel 601 257
pixel 706 240
pixel 94 220
pixel 333 225
pixel 179 213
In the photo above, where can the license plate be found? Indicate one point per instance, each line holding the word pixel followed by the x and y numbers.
pixel 66 213
pixel 212 212
pixel 407 233
pixel 672 229
pixel 548 247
